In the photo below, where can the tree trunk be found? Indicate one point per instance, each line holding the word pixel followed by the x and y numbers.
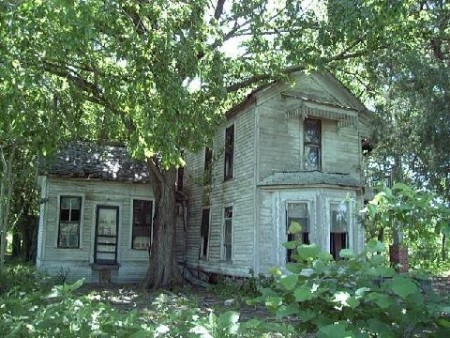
pixel 163 271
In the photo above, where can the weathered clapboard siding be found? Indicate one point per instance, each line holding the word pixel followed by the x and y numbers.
pixel 268 174
pixel 237 192
pixel 132 263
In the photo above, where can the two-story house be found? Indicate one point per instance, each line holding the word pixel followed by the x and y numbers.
pixel 289 152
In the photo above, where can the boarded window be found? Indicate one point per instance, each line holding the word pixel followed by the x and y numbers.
pixel 312 144
pixel 208 166
pixel 297 213
pixel 69 222
pixel 204 234
pixel 227 234
pixel 142 224
pixel 229 153
pixel 339 224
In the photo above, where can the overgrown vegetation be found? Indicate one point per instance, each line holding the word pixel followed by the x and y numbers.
pixel 359 296
pixel 422 219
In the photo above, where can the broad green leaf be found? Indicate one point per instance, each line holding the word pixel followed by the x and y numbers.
pixel 403 287
pixel 273 301
pixel 289 282
pixel 294 228
pixel 308 251
pixel 347 253
pixel 303 293
pixel 338 330
pixel 287 310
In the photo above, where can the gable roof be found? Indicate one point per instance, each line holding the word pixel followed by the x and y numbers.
pixel 322 87
pixel 92 161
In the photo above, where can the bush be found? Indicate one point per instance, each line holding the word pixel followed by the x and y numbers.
pixel 358 296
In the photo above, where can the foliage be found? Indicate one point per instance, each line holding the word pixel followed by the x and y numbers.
pixel 358 296
pixel 422 218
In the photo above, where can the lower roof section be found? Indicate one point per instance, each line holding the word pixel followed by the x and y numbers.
pixel 311 178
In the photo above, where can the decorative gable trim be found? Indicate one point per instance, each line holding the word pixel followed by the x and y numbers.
pixel 303 110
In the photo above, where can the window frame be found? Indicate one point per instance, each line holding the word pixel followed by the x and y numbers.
pixel 205 238
pixel 225 246
pixel 307 144
pixel 349 227
pixel 229 153
pixel 152 209
pixel 308 209
pixel 80 221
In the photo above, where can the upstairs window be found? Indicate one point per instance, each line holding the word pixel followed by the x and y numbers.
pixel 180 178
pixel 297 213
pixel 227 234
pixel 339 225
pixel 204 234
pixel 312 143
pixel 208 166
pixel 69 222
pixel 142 224
pixel 229 153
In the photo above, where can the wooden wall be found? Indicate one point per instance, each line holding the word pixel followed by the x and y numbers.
pixel 76 262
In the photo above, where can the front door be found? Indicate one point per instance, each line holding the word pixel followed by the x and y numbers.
pixel 106 230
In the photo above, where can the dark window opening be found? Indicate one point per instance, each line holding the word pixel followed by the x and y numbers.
pixel 229 152
pixel 180 178
pixel 208 166
pixel 312 144
pixel 227 234
pixel 69 222
pixel 142 224
pixel 339 224
pixel 204 234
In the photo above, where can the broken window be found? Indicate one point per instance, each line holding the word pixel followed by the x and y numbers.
pixel 339 225
pixel 227 234
pixel 142 224
pixel 297 213
pixel 229 153
pixel 312 144
pixel 69 222
pixel 204 234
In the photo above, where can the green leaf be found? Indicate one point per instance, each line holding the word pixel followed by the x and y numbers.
pixel 273 301
pixel 338 330
pixel 303 293
pixel 403 287
pixel 308 251
pixel 287 310
pixel 289 282
pixel 294 228
pixel 347 253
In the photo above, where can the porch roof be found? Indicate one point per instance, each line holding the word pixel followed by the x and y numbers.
pixel 310 178
pixel 93 161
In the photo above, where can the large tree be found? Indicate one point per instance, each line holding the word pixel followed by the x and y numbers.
pixel 159 75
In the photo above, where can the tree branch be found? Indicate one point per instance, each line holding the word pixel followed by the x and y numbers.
pixel 219 9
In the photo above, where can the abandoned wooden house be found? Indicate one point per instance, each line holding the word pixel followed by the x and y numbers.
pixel 95 215
pixel 289 152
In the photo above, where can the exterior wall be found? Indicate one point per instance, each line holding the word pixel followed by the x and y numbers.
pixel 280 141
pixel 76 263
pixel 272 220
pixel 238 192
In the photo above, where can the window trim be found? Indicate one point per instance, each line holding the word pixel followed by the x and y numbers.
pixel 350 229
pixel 317 145
pixel 223 251
pixel 201 256
pixel 80 223
pixel 140 198
pixel 229 149
pixel 312 217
